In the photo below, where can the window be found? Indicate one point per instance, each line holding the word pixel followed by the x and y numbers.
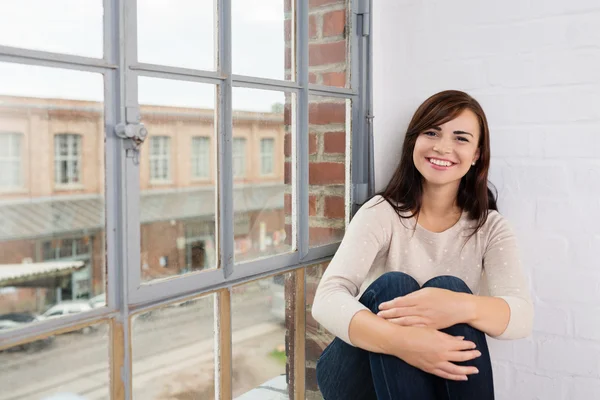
pixel 239 157
pixel 241 182
pixel 160 158
pixel 200 157
pixel 67 159
pixel 267 149
pixel 10 160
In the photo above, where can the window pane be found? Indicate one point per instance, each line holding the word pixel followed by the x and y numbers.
pixel 317 337
pixel 328 129
pixel 261 225
pixel 178 221
pixel 259 337
pixel 40 274
pixel 67 158
pixel 173 351
pixel 62 26
pixel 328 53
pixel 10 161
pixel 74 363
pixel 160 158
pixel 262 39
pixel 179 33
pixel 201 157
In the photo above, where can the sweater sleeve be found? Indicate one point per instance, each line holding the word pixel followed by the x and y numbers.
pixel 366 236
pixel 506 279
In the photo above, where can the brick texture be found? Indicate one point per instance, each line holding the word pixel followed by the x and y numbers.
pixel 326 147
pixel 534 68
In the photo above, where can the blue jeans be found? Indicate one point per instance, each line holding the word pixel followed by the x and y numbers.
pixel 345 372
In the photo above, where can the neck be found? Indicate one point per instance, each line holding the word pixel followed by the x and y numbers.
pixel 439 201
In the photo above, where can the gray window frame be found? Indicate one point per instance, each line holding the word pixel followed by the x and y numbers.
pixel 127 295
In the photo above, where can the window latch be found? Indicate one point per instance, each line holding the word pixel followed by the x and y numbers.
pixel 136 132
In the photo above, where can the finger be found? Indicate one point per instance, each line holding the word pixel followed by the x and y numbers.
pixel 397 312
pixel 397 302
pixel 452 377
pixel 458 369
pixel 461 356
pixel 410 321
pixel 463 345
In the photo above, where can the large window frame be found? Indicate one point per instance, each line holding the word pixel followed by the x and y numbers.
pixel 127 295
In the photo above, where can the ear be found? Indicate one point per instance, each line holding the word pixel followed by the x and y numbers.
pixel 477 155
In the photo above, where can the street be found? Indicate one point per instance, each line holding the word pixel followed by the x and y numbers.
pixel 172 355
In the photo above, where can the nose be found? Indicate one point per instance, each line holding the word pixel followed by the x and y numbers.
pixel 443 146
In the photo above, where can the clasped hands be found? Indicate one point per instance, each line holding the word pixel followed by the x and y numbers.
pixel 428 307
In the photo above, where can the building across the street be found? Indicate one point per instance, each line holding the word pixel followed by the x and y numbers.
pixel 52 195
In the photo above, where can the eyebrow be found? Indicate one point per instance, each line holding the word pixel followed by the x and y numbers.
pixel 437 128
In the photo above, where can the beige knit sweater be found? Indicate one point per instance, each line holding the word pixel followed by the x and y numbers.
pixel 377 240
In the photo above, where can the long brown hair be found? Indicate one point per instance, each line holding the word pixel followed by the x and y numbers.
pixel 404 192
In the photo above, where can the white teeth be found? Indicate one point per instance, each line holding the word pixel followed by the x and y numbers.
pixel 440 162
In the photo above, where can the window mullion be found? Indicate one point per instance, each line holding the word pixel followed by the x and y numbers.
pixel 224 193
pixel 300 172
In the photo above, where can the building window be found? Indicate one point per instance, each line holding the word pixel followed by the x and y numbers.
pixel 10 160
pixel 67 159
pixel 267 155
pixel 160 158
pixel 201 157
pixel 68 248
pixel 239 157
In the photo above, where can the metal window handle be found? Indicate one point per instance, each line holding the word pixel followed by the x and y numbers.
pixel 136 132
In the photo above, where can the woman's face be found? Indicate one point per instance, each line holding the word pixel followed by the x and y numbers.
pixel 444 154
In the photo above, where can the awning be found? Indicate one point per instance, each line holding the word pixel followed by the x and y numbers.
pixel 47 217
pixel 42 274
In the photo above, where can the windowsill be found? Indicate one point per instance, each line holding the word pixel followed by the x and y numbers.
pixel 161 183
pixel 274 389
pixel 13 190
pixel 202 180
pixel 67 187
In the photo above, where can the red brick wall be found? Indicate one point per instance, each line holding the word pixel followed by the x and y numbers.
pixel 328 50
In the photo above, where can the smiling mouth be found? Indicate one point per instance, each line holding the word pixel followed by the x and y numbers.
pixel 440 163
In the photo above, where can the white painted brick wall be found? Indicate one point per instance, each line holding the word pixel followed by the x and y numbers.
pixel 535 67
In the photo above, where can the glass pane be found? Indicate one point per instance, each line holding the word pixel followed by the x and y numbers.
pixel 317 337
pixel 258 312
pixel 329 126
pixel 173 351
pixel 328 52
pixel 177 209
pixel 42 275
pixel 61 26
pixel 262 227
pixel 64 366
pixel 262 39
pixel 179 33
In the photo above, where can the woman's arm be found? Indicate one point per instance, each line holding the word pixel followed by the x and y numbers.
pixel 427 349
pixel 487 314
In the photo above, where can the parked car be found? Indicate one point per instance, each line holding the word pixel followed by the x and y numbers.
pixel 98 301
pixel 31 346
pixel 69 307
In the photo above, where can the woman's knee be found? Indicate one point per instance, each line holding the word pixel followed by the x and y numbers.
pixel 448 282
pixel 389 286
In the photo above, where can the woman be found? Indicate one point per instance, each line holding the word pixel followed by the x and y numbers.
pixel 398 294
